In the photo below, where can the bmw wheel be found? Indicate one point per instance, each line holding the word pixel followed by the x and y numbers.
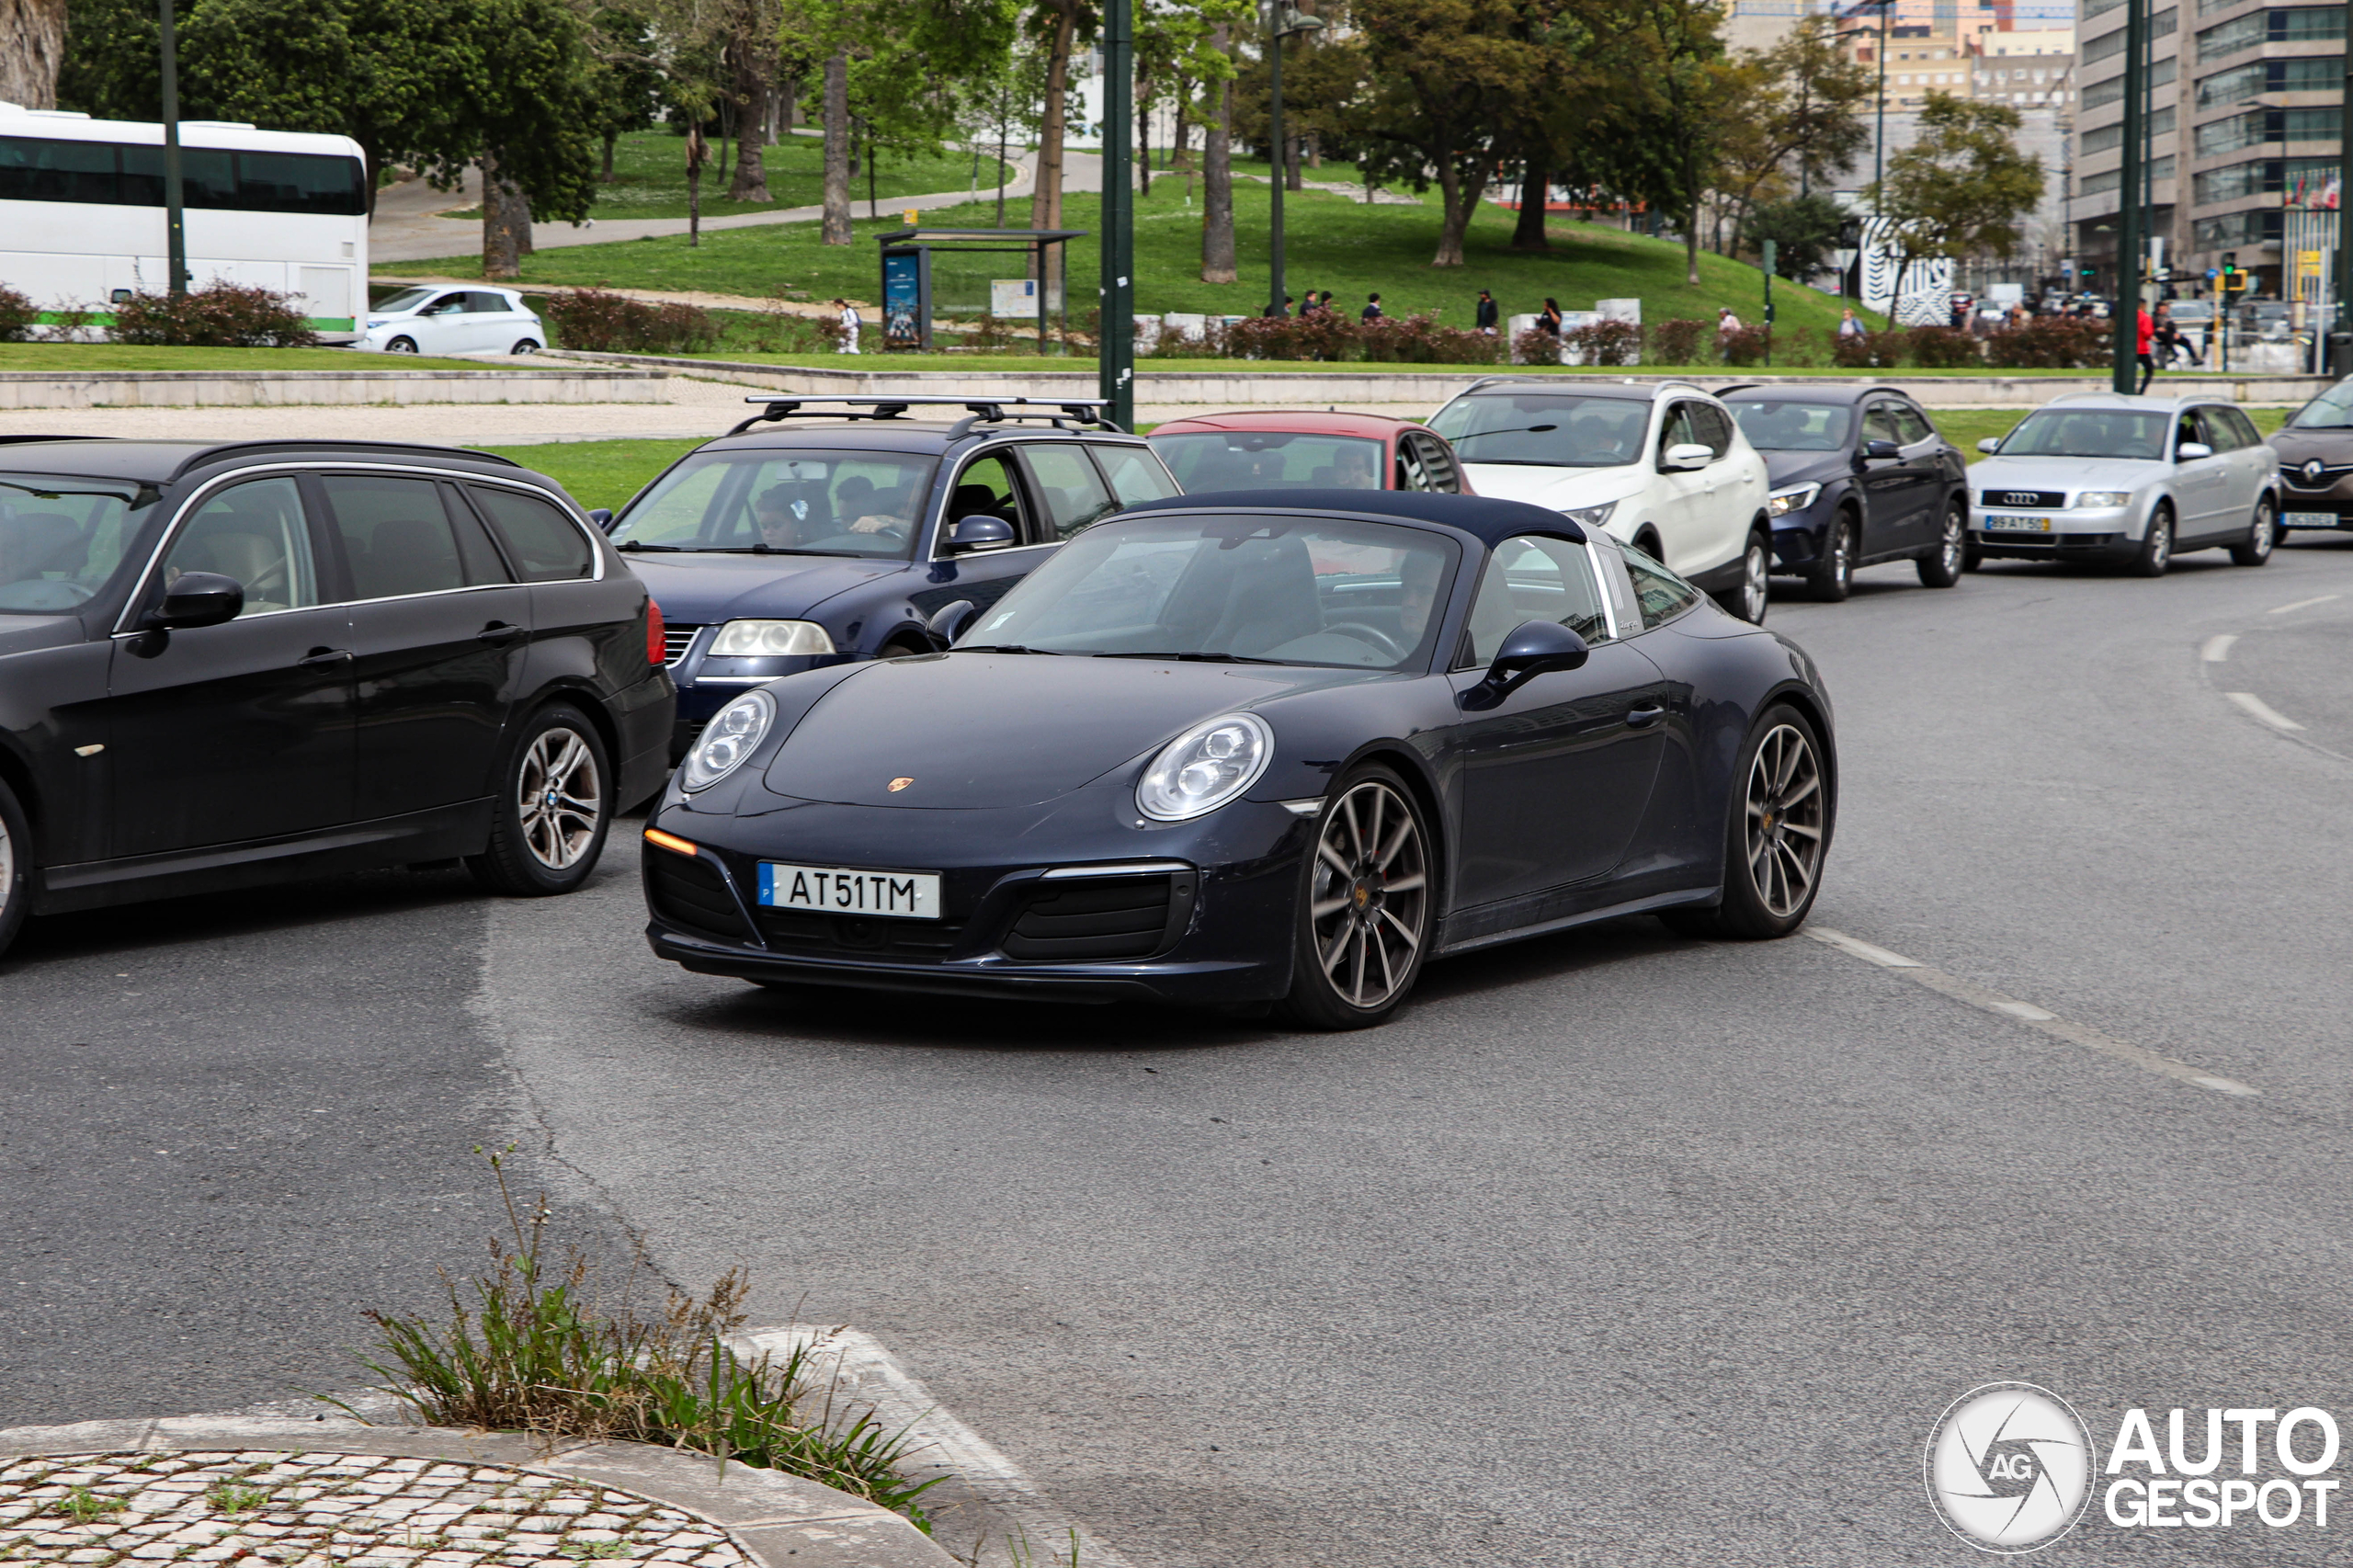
pixel 401 345
pixel 1781 820
pixel 2156 546
pixel 552 808
pixel 1943 568
pixel 1749 598
pixel 15 867
pixel 2262 537
pixel 1364 915
pixel 1835 578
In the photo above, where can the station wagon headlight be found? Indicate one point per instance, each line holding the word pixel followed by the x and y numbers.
pixel 1796 498
pixel 770 640
pixel 728 739
pixel 1205 767
pixel 2105 498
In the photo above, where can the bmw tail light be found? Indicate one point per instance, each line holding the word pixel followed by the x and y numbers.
pixel 653 655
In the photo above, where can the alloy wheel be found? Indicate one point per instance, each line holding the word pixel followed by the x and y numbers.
pixel 7 865
pixel 1369 900
pixel 1753 571
pixel 1785 820
pixel 560 798
pixel 1949 546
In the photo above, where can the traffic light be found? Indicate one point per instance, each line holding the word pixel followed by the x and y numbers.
pixel 2236 280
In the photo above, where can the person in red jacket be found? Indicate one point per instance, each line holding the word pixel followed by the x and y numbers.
pixel 2143 335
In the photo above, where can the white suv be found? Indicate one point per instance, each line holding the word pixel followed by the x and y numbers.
pixel 1663 467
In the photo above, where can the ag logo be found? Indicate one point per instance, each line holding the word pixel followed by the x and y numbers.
pixel 2010 1468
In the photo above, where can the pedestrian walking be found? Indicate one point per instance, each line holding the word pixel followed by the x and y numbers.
pixel 1727 325
pixel 1489 315
pixel 1274 312
pixel 1309 306
pixel 1850 325
pixel 1325 303
pixel 850 321
pixel 2144 339
pixel 1549 319
pixel 1371 310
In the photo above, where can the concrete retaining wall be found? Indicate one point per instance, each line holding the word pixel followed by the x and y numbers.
pixel 1343 388
pixel 247 389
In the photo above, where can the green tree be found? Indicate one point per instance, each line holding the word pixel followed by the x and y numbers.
pixel 1801 120
pixel 1679 101
pixel 1962 187
pixel 1803 229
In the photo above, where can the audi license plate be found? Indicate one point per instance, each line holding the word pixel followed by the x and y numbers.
pixel 2312 519
pixel 835 890
pixel 2012 521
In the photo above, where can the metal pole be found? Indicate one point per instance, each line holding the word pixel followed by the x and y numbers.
pixel 175 214
pixel 1116 345
pixel 1275 127
pixel 1878 136
pixel 2124 332
pixel 2344 278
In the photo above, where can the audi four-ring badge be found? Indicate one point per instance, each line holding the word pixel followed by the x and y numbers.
pixel 1279 746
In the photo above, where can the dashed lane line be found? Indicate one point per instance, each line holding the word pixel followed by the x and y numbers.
pixel 2218 647
pixel 1990 1001
pixel 2305 604
pixel 2264 710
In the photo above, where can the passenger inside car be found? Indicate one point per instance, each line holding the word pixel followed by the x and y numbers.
pixel 791 516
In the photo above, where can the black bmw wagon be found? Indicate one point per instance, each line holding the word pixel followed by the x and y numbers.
pixel 230 664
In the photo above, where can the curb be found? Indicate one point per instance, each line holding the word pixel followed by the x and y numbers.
pixel 778 1520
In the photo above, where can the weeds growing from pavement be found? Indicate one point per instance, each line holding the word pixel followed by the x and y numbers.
pixel 582 1550
pixel 527 1347
pixel 231 1497
pixel 85 1507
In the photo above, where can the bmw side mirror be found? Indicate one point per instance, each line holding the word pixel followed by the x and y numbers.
pixel 978 533
pixel 1990 445
pixel 1881 449
pixel 198 598
pixel 2190 451
pixel 603 518
pixel 1685 456
pixel 1532 648
pixel 949 623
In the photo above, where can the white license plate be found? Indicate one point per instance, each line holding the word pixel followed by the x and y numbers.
pixel 2312 519
pixel 2025 525
pixel 837 890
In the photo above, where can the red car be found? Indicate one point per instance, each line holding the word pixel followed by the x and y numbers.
pixel 1325 451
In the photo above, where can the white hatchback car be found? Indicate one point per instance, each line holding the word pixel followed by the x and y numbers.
pixel 453 321
pixel 1664 468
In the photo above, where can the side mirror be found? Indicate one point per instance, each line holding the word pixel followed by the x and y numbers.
pixel 198 598
pixel 1990 445
pixel 966 534
pixel 1881 449
pixel 603 518
pixel 1685 456
pixel 949 623
pixel 1532 648
pixel 2190 451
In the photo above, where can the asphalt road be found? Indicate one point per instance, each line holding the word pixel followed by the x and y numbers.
pixel 1617 1248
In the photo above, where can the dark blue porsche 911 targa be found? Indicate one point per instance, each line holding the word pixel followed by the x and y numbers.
pixel 1276 747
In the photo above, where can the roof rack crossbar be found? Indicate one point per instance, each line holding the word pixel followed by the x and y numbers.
pixel 1084 411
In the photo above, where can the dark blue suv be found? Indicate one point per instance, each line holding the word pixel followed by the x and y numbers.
pixel 819 538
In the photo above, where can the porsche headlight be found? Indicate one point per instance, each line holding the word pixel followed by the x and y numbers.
pixel 2105 498
pixel 1205 767
pixel 1796 498
pixel 770 640
pixel 1590 517
pixel 728 739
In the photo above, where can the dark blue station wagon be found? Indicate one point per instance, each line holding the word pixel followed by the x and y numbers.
pixel 837 538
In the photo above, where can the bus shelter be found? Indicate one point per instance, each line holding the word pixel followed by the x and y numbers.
pixel 958 276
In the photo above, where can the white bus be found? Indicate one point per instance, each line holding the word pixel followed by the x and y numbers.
pixel 81 213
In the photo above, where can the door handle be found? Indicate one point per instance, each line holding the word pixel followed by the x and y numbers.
pixel 499 632
pixel 318 656
pixel 1644 717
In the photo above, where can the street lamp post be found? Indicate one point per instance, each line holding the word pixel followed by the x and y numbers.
pixel 1115 348
pixel 174 211
pixel 2124 332
pixel 1287 19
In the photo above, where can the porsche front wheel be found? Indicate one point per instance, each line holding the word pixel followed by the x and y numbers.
pixel 1364 917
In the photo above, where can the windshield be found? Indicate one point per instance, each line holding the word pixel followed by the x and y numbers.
pixel 1255 590
pixel 2089 433
pixel 788 501
pixel 1779 426
pixel 62 539
pixel 2332 410
pixel 406 300
pixel 1546 430
pixel 1261 459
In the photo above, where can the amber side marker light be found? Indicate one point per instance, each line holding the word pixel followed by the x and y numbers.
pixel 670 841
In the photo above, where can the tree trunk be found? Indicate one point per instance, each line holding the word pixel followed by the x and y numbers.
pixel 611 137
pixel 1182 143
pixel 837 223
pixel 698 153
pixel 1046 204
pixel 1691 249
pixel 32 47
pixel 1294 178
pixel 751 85
pixel 1144 148
pixel 1535 189
pixel 1457 206
pixel 1217 184
pixel 506 222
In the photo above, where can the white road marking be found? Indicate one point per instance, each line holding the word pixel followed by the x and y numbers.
pixel 2305 604
pixel 2263 711
pixel 2218 647
pixel 1990 1001
pixel 863 1373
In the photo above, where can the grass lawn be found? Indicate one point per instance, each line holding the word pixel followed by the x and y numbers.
pixel 650 171
pixel 1334 243
pixel 75 358
pixel 1153 364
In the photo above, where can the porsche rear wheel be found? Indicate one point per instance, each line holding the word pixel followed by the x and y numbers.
pixel 1777 834
pixel 1364 909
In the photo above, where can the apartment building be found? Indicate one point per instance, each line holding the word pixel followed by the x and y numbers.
pixel 2242 112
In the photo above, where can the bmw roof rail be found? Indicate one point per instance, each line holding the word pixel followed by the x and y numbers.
pixel 1081 411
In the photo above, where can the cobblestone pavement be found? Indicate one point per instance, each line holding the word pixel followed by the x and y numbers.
pixel 324 1510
